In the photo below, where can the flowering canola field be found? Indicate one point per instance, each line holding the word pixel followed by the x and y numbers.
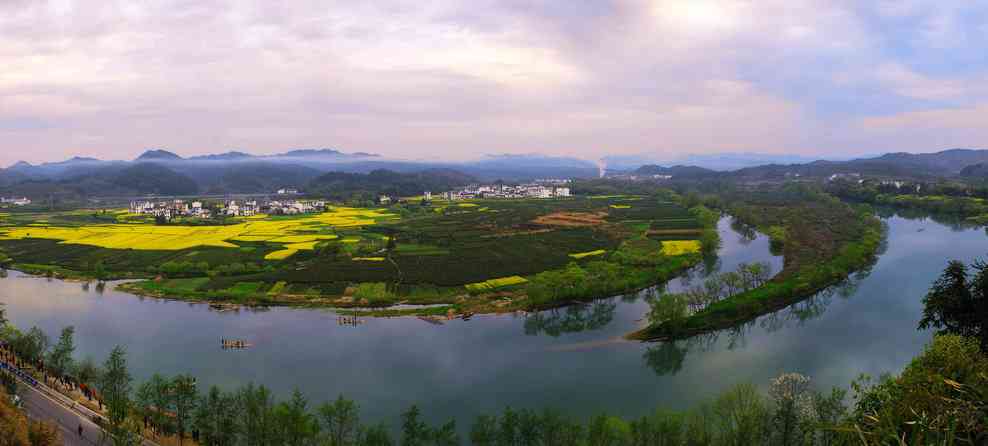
pixel 680 247
pixel 300 233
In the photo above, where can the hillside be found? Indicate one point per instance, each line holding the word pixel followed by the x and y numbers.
pixel 678 172
pixel 343 185
pixel 149 178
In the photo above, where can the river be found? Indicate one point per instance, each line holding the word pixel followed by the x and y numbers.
pixel 571 358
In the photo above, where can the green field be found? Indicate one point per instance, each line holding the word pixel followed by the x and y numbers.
pixel 412 253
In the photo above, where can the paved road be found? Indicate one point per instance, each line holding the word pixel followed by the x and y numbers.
pixel 42 407
pixel 43 404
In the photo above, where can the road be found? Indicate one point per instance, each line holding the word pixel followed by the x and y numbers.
pixel 43 404
pixel 42 407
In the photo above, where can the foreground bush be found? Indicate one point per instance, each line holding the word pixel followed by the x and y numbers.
pixel 940 398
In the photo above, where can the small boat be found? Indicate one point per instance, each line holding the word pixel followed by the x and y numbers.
pixel 235 344
pixel 466 316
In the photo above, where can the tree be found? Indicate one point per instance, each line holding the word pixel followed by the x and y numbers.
pixel 958 305
pixel 258 423
pixel 742 416
pixel 60 358
pixel 793 406
pixel 508 428
pixel 114 385
pixel 184 400
pixel 86 371
pixel 376 436
pixel 31 345
pixel 414 432
pixel 99 272
pixel 608 431
pixel 484 431
pixel 216 418
pixel 298 427
pixel 445 435
pixel 154 401
pixel 340 422
pixel 668 308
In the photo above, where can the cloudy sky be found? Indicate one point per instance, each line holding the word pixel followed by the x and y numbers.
pixel 456 79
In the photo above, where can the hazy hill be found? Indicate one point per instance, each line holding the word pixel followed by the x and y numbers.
pixel 158 155
pixel 344 185
pixel 979 170
pixel 149 178
pixel 678 172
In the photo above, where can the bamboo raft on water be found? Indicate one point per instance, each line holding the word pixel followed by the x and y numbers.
pixel 235 344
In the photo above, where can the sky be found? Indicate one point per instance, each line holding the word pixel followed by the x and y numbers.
pixel 452 80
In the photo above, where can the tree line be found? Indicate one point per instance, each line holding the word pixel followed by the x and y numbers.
pixel 717 287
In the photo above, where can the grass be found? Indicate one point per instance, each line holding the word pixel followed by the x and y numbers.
pixel 277 288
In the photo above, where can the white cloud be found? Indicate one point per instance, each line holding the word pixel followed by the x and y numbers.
pixel 413 79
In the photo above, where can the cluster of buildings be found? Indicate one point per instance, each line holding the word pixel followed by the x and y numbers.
pixel 532 190
pixel 845 177
pixel 231 208
pixel 170 209
pixel 23 201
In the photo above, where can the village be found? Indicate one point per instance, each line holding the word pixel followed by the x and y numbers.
pixel 169 209
pixel 23 201
pixel 540 189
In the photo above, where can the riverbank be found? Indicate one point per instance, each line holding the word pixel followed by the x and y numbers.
pixel 499 302
pixel 823 242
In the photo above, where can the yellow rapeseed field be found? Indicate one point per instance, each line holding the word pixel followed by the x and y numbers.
pixel 152 237
pixel 302 246
pixel 580 255
pixel 493 284
pixel 280 255
pixel 680 247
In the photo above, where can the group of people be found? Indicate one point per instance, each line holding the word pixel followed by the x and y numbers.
pixel 8 356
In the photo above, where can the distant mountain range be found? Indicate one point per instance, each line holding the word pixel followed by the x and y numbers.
pixel 163 172
pixel 944 164
pixel 718 161
pixel 240 172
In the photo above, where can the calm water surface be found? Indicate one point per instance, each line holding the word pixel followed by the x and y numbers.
pixel 570 358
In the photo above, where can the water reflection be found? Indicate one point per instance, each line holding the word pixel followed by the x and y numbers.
pixel 746 232
pixel 955 222
pixel 667 358
pixel 571 319
pixel 740 244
